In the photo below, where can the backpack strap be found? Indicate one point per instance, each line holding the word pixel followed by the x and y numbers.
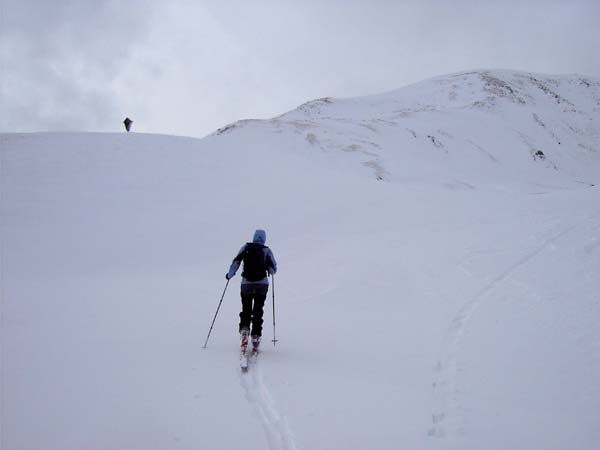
pixel 240 256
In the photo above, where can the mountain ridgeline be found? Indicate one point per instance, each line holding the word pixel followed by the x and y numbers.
pixel 463 130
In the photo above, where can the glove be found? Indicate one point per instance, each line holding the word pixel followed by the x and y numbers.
pixel 228 277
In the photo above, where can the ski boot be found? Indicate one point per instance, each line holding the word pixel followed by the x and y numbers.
pixel 244 333
pixel 255 343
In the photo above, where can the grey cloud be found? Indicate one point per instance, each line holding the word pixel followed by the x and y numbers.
pixel 58 60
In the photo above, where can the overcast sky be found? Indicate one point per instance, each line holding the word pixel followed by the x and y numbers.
pixel 188 67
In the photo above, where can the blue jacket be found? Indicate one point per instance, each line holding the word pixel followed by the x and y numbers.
pixel 260 237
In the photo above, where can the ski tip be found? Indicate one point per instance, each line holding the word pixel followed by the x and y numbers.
pixel 244 363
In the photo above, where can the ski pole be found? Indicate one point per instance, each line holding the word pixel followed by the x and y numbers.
pixel 215 318
pixel 273 283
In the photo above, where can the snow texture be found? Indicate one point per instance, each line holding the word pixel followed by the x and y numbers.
pixel 438 284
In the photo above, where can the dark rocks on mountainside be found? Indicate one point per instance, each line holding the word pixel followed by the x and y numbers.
pixel 226 128
pixel 500 88
pixel 539 155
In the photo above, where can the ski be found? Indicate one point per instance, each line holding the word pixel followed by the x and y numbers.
pixel 248 356
pixel 244 362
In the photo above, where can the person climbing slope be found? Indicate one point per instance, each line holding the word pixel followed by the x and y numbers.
pixel 259 262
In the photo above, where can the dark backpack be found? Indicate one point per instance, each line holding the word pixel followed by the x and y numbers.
pixel 255 262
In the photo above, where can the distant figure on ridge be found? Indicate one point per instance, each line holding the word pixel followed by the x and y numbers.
pixel 259 262
pixel 128 123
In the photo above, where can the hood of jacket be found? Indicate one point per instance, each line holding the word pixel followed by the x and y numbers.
pixel 260 237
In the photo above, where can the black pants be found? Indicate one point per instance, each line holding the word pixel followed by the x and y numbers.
pixel 253 302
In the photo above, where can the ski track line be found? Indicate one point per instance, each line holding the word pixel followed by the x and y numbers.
pixel 445 390
pixel 275 425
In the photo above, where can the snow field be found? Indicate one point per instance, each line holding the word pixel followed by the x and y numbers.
pixel 452 305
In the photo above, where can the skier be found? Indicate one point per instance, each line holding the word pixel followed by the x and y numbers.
pixel 259 262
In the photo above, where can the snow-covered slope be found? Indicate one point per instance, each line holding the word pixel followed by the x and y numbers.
pixel 507 125
pixel 451 305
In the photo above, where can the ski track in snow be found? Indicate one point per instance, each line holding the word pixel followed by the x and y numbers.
pixel 277 430
pixel 447 417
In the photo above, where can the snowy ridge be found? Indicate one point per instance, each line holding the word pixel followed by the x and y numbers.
pixel 503 121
